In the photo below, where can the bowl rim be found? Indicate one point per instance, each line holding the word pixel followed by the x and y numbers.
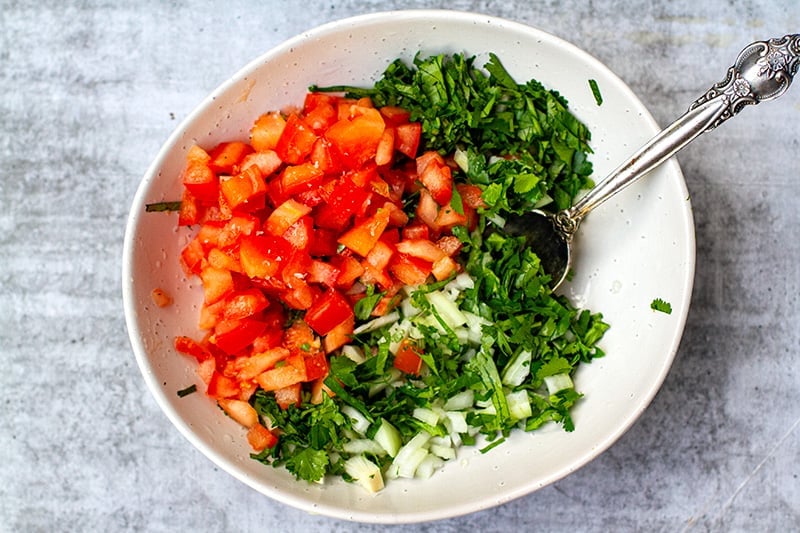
pixel 335 26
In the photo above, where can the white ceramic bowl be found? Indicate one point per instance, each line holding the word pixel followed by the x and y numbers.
pixel 636 247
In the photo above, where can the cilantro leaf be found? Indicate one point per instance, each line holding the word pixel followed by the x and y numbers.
pixel 660 305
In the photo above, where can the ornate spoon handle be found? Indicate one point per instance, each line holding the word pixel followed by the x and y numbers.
pixel 762 71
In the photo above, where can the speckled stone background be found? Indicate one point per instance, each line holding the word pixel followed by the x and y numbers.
pixel 90 90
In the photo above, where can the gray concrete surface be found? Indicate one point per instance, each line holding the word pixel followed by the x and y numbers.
pixel 90 90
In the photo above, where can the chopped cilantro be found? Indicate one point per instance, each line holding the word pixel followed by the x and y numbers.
pixel 596 92
pixel 162 206
pixel 187 391
pixel 660 305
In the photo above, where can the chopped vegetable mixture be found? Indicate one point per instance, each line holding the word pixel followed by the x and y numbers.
pixel 366 313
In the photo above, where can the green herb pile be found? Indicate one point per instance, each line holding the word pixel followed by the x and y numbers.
pixel 499 347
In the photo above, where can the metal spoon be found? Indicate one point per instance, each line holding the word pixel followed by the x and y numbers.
pixel 762 71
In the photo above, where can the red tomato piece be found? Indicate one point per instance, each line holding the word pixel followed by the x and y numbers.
pixel 201 182
pixel 410 270
pixel 356 139
pixel 316 365
pixel 234 335
pixel 289 395
pixel 266 161
pixel 296 140
pixel 285 215
pixel 244 189
pixel 293 371
pixel 220 386
pixel 262 256
pixel 266 131
pixel 189 346
pixel 260 438
pixel 428 210
pixel 245 303
pixel 227 155
pixel 340 335
pixel 323 272
pixel 298 178
pixel 350 270
pixel 328 311
pixel 384 151
pixel 189 213
pixel 300 234
pixel 437 177
pixel 217 283
pixel 407 138
pixel 362 237
pixel 407 358
pixel 345 200
pixel 421 248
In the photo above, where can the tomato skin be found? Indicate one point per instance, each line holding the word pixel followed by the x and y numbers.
pixel 234 335
pixel 263 255
pixel 266 131
pixel 201 182
pixel 296 141
pixel 328 311
pixel 407 139
pixel 260 438
pixel 356 139
pixel 362 237
pixel 407 358
pixel 228 155
pixel 316 365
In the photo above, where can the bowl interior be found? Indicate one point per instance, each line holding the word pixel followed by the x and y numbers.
pixel 636 247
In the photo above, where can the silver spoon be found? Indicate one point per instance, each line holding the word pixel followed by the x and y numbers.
pixel 762 71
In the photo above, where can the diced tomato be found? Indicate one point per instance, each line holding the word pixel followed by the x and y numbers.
pixel 471 195
pixel 266 131
pixel 296 140
pixel 285 215
pixel 415 230
pixel 221 386
pixel 260 438
pixel 234 229
pixel 320 110
pixel 260 362
pixel 345 201
pixel 447 218
pixel 222 260
pixel 323 243
pixel 421 248
pixel 267 162
pixel 410 270
pixel 407 137
pixel 245 303
pixel 262 255
pixel 247 188
pixel 300 234
pixel 189 213
pixel 356 139
pixel 384 151
pixel 298 178
pixel 324 157
pixel 323 272
pixel 227 155
pixel 350 270
pixel 397 217
pixel 407 358
pixel 189 346
pixel 300 336
pixel 217 283
pixel 316 365
pixel 234 335
pixel 340 335
pixel 201 182
pixel 328 311
pixel 299 296
pixel 288 395
pixel 450 245
pixel 395 115
pixel 192 257
pixel 428 210
pixel 362 237
pixel 443 267
pixel 239 410
pixel 293 371
pixel 436 176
